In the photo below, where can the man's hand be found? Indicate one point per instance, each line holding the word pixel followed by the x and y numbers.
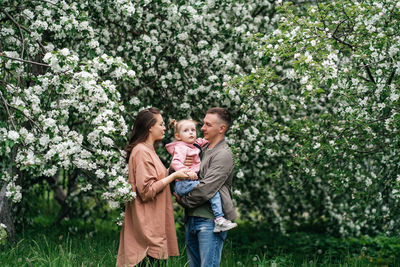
pixel 188 161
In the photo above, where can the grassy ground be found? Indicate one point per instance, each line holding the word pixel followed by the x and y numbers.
pixel 96 244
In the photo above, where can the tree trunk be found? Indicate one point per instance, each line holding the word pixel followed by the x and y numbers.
pixel 6 215
pixel 61 195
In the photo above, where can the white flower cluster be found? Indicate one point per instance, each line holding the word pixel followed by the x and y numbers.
pixel 173 46
pixel 75 120
pixel 13 190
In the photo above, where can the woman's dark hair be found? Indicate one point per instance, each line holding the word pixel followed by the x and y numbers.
pixel 143 122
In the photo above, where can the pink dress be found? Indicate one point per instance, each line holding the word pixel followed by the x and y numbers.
pixel 149 226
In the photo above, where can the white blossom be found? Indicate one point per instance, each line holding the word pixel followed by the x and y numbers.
pixel 13 135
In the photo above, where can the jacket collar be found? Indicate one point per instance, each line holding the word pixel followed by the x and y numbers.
pixel 220 143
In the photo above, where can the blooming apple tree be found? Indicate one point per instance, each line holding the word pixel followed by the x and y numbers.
pixel 62 112
pixel 317 134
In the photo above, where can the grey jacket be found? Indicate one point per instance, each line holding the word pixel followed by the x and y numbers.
pixel 216 175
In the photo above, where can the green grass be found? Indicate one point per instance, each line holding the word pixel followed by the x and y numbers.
pixel 58 247
pixel 93 241
pixel 77 242
pixel 74 243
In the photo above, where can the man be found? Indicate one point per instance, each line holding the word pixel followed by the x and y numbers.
pixel 203 246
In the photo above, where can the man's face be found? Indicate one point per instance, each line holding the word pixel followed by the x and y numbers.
pixel 211 127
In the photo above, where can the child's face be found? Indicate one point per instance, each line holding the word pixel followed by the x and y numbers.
pixel 187 132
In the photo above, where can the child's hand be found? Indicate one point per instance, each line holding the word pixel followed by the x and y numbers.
pixel 192 175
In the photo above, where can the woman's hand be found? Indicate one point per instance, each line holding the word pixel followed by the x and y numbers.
pixel 182 174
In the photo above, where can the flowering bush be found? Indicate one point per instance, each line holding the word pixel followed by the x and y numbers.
pixel 317 134
pixel 75 73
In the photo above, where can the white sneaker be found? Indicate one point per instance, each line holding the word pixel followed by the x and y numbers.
pixel 222 224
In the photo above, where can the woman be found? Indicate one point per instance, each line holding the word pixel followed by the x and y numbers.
pixel 149 227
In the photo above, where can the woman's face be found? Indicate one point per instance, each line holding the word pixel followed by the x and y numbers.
pixel 156 132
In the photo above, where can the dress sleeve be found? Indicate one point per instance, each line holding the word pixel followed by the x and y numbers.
pixel 179 157
pixel 147 184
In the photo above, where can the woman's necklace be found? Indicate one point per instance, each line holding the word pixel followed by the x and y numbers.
pixel 149 145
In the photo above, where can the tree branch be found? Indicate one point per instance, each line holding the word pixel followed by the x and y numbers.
pixel 8 111
pixel 14 21
pixel 24 60
pixel 369 73
pixel 391 78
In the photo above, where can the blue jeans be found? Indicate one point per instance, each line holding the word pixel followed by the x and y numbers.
pixel 185 186
pixel 203 246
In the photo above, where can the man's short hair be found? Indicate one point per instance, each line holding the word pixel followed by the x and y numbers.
pixel 223 114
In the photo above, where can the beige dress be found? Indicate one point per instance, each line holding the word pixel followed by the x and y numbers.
pixel 149 226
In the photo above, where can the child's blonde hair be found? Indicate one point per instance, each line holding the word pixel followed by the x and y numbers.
pixel 178 124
